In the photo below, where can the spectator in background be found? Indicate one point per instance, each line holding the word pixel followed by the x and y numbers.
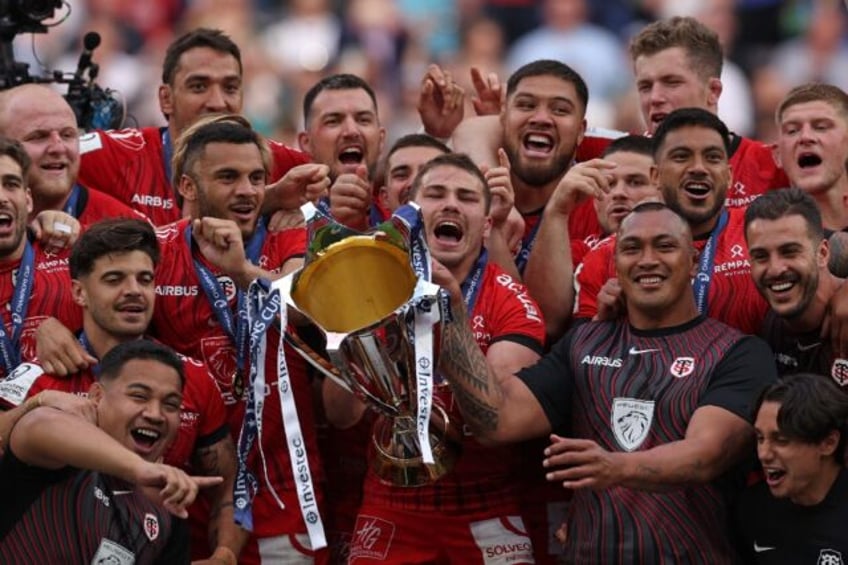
pixel 596 54
pixel 820 54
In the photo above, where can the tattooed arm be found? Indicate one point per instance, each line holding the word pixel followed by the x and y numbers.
pixel 219 459
pixel 838 262
pixel 498 410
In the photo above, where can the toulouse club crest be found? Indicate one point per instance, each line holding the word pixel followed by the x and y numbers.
pixel 151 526
pixel 839 371
pixel 631 421
pixel 682 367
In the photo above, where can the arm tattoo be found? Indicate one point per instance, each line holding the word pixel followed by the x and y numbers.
pixel 465 366
pixel 217 459
pixel 838 263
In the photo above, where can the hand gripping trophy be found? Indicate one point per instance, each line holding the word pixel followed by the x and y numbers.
pixel 370 295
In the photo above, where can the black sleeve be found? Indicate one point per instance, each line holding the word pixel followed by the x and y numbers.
pixel 177 550
pixel 746 369
pixel 21 485
pixel 551 382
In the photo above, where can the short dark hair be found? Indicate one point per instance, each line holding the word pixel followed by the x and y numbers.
pixel 410 140
pixel 343 81
pixel 113 362
pixel 700 43
pixel 214 39
pixel 655 206
pixel 811 407
pixel 640 144
pixel 13 149
pixel 117 235
pixel 214 128
pixel 459 161
pixel 686 117
pixel 416 140
pixel 549 67
pixel 776 204
pixel 814 92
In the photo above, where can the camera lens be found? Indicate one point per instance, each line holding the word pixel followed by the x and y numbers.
pixel 37 10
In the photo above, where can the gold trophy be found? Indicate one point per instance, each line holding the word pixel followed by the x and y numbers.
pixel 371 297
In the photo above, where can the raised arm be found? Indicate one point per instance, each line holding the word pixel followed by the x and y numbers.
pixel 549 274
pixel 53 439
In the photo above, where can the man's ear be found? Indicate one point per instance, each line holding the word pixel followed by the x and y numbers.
pixel 166 100
pixel 96 392
pixel 187 188
pixel 78 293
pixel 303 142
pixel 714 88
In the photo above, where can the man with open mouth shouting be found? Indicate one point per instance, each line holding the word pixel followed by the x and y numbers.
pixel 797 514
pixel 102 476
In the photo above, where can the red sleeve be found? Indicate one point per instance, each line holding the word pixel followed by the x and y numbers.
pixel 101 152
pixel 583 222
pixel 100 206
pixel 284 245
pixel 284 158
pixel 589 278
pixel 579 249
pixel 595 142
pixel 512 314
pixel 213 416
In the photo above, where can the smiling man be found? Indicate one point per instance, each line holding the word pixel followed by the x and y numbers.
pixel 208 260
pixel 615 184
pixel 104 474
pixel 656 407
pixel 789 265
pixel 45 125
pixel 691 150
pixel 111 269
pixel 797 514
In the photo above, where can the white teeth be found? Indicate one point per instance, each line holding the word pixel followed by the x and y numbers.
pixel 533 138
pixel 649 280
pixel 780 287
pixel 152 434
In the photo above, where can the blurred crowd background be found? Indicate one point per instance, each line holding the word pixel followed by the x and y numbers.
pixel 287 45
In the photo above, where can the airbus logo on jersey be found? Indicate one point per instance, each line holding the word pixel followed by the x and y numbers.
pixel 176 290
pixel 153 201
pixel 601 361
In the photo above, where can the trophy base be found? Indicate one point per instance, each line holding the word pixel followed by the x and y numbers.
pixel 398 458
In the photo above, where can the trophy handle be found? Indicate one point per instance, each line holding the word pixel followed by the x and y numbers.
pixel 317 361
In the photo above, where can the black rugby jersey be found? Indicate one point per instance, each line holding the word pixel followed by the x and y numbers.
pixel 633 390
